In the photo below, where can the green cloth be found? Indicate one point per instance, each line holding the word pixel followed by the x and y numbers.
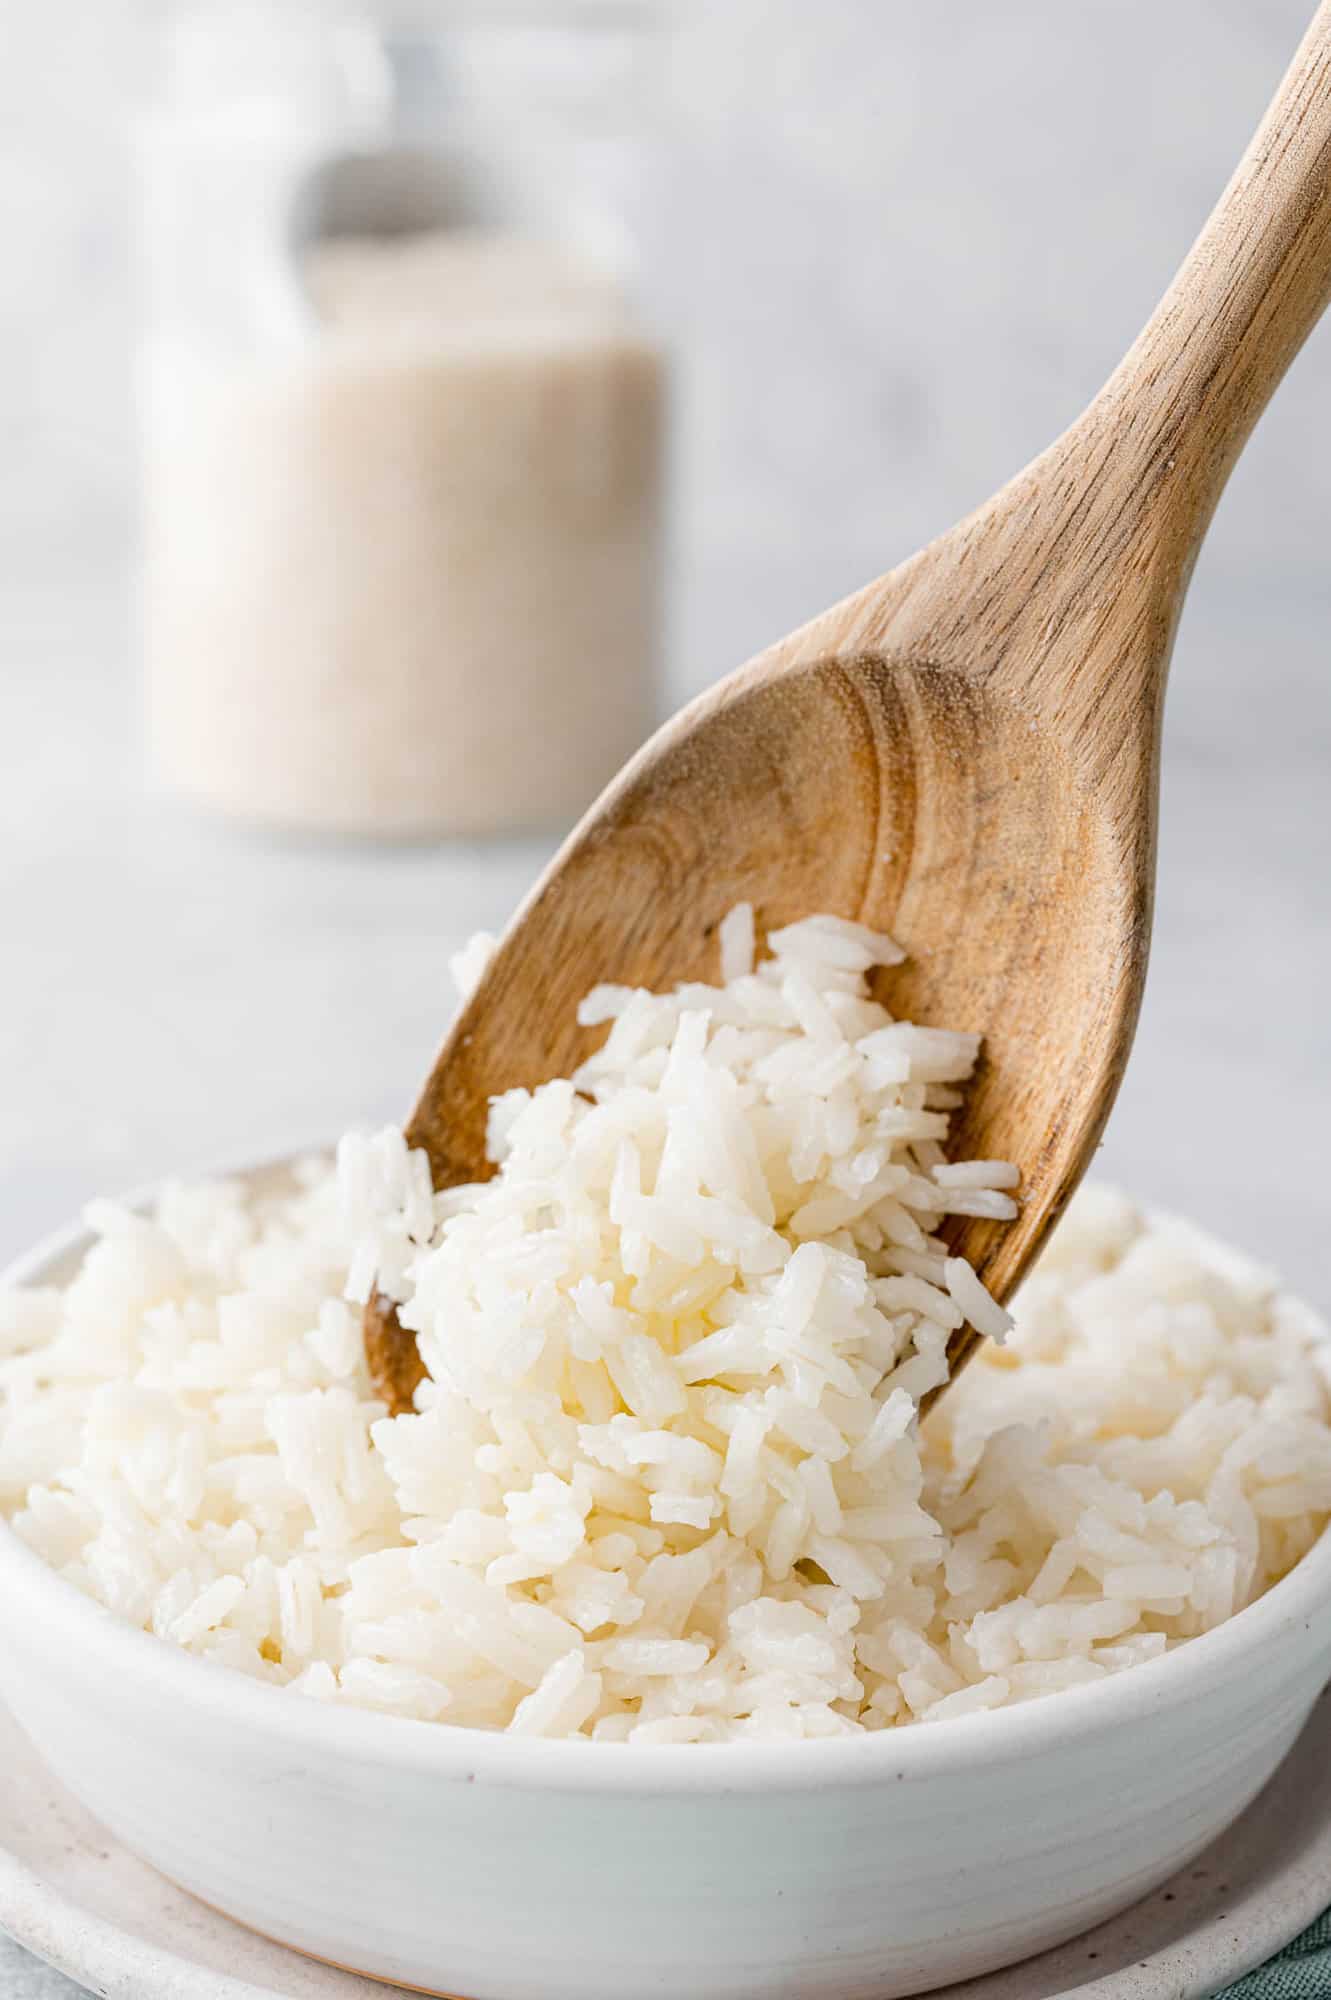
pixel 1302 1971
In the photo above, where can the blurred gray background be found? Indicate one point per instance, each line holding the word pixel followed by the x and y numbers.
pixel 900 244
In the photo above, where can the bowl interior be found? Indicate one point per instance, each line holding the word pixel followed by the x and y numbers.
pixel 1293 1615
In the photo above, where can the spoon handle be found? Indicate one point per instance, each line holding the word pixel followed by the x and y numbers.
pixel 1068 585
pixel 1250 291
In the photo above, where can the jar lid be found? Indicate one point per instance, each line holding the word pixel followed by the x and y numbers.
pixel 302 53
pixel 359 61
pixel 424 14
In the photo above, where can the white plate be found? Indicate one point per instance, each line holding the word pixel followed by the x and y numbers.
pixel 71 1895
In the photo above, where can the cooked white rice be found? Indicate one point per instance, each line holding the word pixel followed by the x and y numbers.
pixel 666 1482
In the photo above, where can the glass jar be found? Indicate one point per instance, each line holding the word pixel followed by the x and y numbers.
pixel 403 425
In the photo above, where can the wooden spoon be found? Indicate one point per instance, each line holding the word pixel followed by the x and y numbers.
pixel 965 753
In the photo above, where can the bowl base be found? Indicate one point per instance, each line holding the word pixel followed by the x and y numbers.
pixel 77 1898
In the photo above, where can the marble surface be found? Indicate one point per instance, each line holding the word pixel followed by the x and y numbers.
pixel 900 241
pixel 23 1977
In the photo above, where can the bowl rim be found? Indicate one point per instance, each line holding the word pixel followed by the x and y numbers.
pixel 38 1597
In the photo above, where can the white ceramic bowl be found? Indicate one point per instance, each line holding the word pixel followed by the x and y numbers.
pixel 499 1869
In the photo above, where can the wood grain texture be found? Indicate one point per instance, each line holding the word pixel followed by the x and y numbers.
pixel 964 753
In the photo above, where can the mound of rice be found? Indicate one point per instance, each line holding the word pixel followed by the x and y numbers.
pixel 666 1481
